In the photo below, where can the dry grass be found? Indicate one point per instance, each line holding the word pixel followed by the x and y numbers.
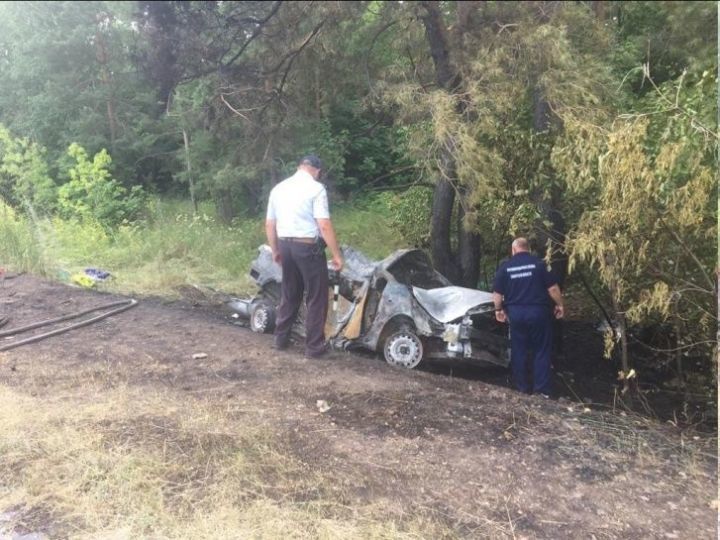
pixel 129 462
pixel 576 433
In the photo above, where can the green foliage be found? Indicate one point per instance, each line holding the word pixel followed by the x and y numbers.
pixel 69 76
pixel 17 244
pixel 409 213
pixel 24 176
pixel 93 195
pixel 170 248
pixel 374 154
pixel 685 111
pixel 670 36
pixel 646 231
pixel 318 137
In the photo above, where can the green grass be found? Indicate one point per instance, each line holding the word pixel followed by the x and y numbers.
pixel 368 229
pixel 170 249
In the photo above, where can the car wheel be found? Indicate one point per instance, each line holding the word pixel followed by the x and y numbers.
pixel 403 348
pixel 262 318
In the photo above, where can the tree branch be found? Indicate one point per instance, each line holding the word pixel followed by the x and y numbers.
pixel 241 115
pixel 404 186
pixel 293 54
pixel 682 246
pixel 388 175
pixel 370 48
pixel 260 24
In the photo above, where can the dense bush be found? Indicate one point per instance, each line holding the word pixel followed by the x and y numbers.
pixel 408 212
pixel 93 195
pixel 24 175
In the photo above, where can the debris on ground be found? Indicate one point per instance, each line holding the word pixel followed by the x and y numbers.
pixel 97 274
pixel 322 405
pixel 83 280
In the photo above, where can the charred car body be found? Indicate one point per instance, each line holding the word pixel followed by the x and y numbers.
pixel 399 306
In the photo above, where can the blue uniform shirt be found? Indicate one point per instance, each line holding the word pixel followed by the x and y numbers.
pixel 523 280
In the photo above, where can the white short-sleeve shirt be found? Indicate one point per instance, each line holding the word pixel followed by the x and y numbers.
pixel 295 204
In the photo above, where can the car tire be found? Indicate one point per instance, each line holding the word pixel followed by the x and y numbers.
pixel 403 348
pixel 262 318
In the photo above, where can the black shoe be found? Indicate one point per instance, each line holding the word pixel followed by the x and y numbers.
pixel 318 354
pixel 280 344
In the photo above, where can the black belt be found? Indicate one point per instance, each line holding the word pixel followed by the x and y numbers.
pixel 298 239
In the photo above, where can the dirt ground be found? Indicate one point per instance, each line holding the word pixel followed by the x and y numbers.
pixel 453 441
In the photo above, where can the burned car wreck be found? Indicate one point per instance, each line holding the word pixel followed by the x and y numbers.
pixel 400 306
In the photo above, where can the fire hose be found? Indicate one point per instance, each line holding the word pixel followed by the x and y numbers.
pixel 120 306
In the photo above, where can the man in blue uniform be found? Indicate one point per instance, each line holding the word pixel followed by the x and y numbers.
pixel 526 294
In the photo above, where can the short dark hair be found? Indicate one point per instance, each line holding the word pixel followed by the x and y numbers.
pixel 312 160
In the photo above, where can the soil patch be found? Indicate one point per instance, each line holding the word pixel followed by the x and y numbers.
pixel 452 442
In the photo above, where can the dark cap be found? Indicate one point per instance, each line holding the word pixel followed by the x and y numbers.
pixel 312 160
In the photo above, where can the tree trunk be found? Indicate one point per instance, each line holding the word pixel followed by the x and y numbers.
pixel 441 252
pixel 318 94
pixel 541 111
pixel 105 77
pixel 225 207
pixel 463 266
pixel 469 259
pixel 555 234
pixel 435 34
pixel 622 323
pixel 191 182
pixel 469 251
pixel 444 196
pixel 598 8
pixel 162 64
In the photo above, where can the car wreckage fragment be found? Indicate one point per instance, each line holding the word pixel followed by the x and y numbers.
pixel 400 306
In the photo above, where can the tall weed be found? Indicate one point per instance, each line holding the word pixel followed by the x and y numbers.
pixel 171 247
pixel 21 247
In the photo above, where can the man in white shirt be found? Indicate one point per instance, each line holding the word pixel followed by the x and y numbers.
pixel 297 227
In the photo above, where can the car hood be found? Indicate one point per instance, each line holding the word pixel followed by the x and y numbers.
pixel 447 304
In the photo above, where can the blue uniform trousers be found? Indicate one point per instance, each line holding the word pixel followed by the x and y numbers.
pixel 531 336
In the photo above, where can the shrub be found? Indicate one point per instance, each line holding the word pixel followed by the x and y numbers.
pixel 24 177
pixel 21 245
pixel 409 213
pixel 93 195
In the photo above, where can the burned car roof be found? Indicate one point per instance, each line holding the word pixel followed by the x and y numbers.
pixel 411 267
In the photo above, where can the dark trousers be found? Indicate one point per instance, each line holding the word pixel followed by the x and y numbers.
pixel 531 336
pixel 304 269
